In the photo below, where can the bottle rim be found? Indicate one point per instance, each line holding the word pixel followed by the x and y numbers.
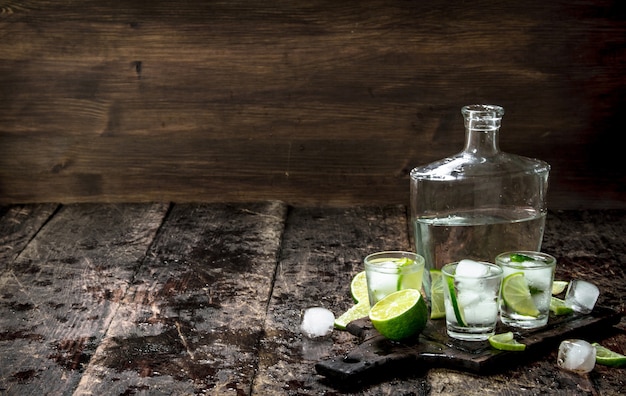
pixel 482 111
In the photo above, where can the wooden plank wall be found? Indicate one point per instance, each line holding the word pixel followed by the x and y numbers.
pixel 308 102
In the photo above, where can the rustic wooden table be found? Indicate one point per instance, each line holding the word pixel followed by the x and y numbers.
pixel 179 299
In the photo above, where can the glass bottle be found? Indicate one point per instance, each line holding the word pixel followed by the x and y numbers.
pixel 479 202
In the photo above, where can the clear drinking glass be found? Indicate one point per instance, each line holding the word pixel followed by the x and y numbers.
pixel 479 202
pixel 388 272
pixel 471 301
pixel 537 274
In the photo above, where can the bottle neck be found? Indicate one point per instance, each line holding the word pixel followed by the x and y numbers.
pixel 482 123
pixel 481 143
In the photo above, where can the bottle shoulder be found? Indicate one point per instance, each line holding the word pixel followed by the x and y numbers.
pixel 466 165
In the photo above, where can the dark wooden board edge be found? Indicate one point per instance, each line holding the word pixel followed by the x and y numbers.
pixel 376 358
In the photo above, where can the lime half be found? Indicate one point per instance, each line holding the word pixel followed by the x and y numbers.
pixel 458 311
pixel 516 295
pixel 506 342
pixel 437 306
pixel 400 315
pixel 608 357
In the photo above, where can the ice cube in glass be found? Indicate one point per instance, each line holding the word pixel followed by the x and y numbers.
pixel 390 271
pixel 471 301
pixel 537 269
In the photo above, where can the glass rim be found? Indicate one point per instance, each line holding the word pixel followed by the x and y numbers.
pixel 489 276
pixel 544 260
pixel 483 111
pixel 417 259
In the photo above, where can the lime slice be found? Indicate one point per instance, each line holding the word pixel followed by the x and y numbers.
pixel 458 311
pixel 358 311
pixel 558 287
pixel 506 342
pixel 516 295
pixel 437 306
pixel 402 283
pixel 411 280
pixel 400 315
pixel 358 288
pixel 558 307
pixel 403 262
pixel 520 258
pixel 607 357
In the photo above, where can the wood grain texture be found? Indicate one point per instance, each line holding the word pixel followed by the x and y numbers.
pixel 60 294
pixel 194 316
pixel 18 225
pixel 306 102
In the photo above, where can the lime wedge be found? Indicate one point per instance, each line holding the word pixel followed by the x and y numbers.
pixel 358 311
pixel 558 307
pixel 400 315
pixel 358 287
pixel 358 290
pixel 506 342
pixel 458 311
pixel 558 287
pixel 516 295
pixel 437 306
pixel 608 357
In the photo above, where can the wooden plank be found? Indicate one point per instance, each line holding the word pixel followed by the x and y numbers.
pixel 60 294
pixel 18 225
pixel 193 319
pixel 302 101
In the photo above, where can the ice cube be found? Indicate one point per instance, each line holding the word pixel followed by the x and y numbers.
pixel 382 284
pixel 468 296
pixel 388 265
pixel 540 279
pixel 481 313
pixel 471 269
pixel 576 355
pixel 470 285
pixel 317 322
pixel 581 296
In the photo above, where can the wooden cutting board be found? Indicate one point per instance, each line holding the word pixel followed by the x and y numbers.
pixel 377 357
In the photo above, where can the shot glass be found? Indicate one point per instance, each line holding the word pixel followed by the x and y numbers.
pixel 390 271
pixel 526 288
pixel 471 291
